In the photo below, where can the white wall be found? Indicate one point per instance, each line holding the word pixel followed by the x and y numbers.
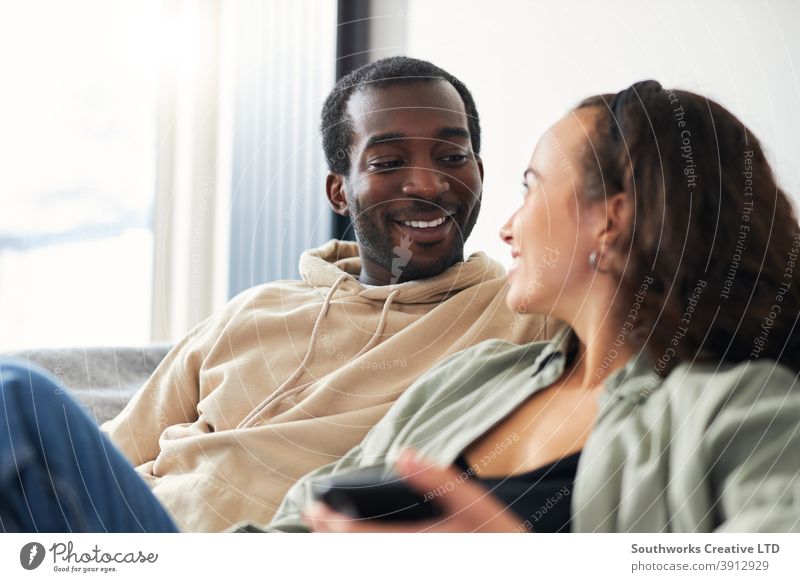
pixel 527 63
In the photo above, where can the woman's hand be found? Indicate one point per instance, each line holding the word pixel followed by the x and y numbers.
pixel 467 506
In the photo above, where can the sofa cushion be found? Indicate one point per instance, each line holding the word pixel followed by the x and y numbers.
pixel 102 379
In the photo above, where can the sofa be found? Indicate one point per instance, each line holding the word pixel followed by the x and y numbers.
pixel 103 379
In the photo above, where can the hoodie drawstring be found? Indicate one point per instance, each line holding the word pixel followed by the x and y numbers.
pixel 299 371
pixel 381 324
pixel 285 389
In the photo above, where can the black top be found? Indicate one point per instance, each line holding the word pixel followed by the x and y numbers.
pixel 540 497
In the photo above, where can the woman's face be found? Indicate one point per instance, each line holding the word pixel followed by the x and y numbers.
pixel 552 234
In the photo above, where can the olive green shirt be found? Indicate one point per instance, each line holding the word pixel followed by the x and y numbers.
pixel 707 448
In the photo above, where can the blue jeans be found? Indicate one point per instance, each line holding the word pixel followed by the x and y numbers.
pixel 58 472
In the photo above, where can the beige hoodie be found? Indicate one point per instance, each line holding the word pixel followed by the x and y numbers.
pixel 292 374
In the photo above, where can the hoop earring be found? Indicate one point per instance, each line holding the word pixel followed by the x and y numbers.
pixel 595 263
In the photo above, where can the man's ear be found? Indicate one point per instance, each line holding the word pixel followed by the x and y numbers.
pixel 480 167
pixel 335 188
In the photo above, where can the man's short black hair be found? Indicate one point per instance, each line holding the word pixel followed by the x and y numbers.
pixel 336 125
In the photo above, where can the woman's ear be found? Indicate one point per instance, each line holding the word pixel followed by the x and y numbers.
pixel 335 189
pixel 616 225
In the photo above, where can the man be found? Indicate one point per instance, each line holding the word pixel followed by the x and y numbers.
pixel 292 374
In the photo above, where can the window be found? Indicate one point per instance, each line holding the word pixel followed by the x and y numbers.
pixel 78 147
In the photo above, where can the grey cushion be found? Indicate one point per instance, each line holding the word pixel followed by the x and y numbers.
pixel 102 379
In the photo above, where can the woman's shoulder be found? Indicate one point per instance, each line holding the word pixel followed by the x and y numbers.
pixel 711 388
pixel 727 375
pixel 493 351
pixel 470 369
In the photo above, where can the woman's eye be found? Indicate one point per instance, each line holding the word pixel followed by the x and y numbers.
pixel 525 189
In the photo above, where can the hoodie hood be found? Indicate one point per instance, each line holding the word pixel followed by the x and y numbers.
pixel 336 259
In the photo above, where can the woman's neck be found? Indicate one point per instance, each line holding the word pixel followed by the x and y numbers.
pixel 602 348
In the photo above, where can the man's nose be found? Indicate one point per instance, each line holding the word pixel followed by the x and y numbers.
pixel 426 182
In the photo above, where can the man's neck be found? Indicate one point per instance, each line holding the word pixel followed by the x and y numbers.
pixel 374 279
pixel 373 273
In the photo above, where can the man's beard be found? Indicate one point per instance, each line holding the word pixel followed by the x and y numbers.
pixel 376 242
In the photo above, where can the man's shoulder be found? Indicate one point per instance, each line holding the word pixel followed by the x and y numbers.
pixel 284 290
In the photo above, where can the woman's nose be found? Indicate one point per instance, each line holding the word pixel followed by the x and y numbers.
pixel 506 231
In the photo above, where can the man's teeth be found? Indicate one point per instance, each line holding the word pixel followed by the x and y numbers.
pixel 424 224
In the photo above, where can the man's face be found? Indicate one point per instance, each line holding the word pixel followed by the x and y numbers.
pixel 414 187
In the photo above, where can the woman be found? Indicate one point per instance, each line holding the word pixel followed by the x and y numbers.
pixel 653 227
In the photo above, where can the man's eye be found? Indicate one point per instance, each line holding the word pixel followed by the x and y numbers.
pixel 386 165
pixel 454 158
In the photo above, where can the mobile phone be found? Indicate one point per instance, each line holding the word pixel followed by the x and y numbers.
pixel 371 493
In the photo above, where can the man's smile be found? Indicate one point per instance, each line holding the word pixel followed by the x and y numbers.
pixel 425 227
